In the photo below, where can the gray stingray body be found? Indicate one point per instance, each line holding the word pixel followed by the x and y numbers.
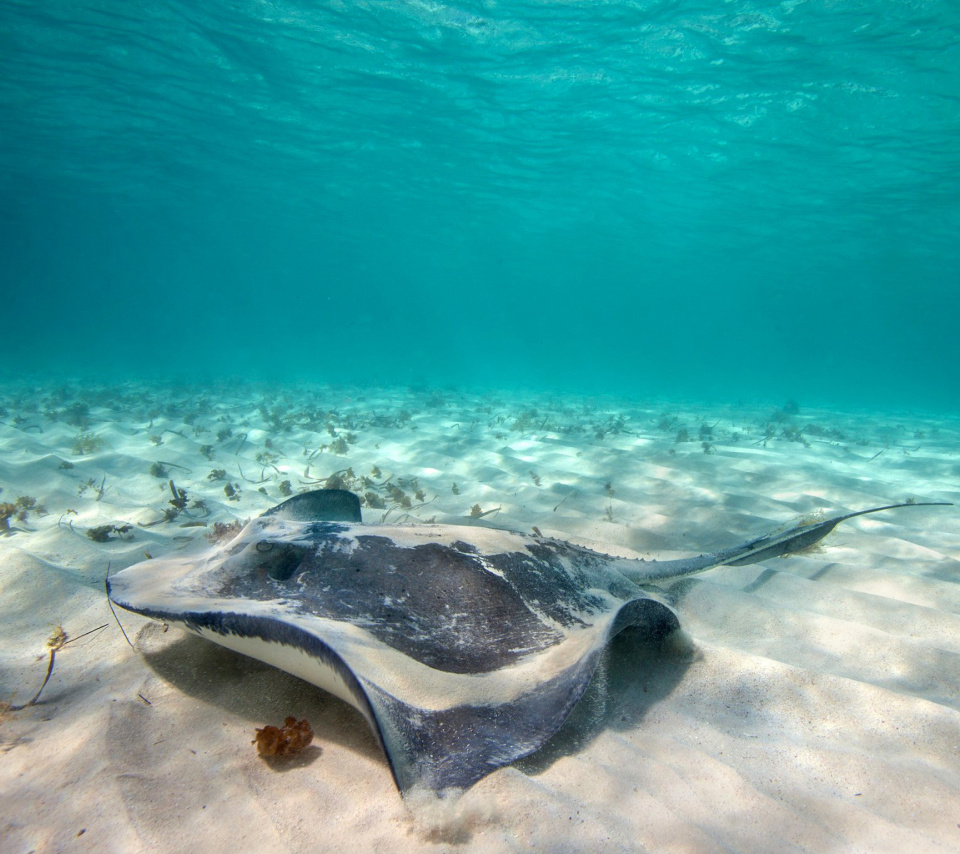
pixel 465 648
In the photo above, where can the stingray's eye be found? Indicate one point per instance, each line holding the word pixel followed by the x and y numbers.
pixel 279 560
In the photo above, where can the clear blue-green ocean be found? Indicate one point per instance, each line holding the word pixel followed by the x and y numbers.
pixel 548 285
pixel 718 201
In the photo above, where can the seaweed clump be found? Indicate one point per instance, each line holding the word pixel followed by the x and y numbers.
pixel 57 641
pixel 373 501
pixel 288 740
pixel 20 510
pixel 342 479
pixel 86 443
pixel 177 504
pixel 101 533
pixel 225 531
pixel 6 511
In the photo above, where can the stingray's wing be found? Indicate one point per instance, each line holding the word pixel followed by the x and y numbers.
pixel 438 730
pixel 462 658
pixel 763 548
pixel 459 744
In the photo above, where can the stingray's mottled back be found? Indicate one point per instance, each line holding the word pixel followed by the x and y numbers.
pixel 465 647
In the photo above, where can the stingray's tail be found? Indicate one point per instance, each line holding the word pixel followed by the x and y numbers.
pixel 775 545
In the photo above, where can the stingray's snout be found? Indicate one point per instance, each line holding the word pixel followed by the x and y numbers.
pixel 145 582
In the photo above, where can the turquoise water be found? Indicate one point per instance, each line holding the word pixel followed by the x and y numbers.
pixel 736 200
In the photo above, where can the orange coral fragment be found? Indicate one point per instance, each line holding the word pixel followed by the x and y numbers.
pixel 287 740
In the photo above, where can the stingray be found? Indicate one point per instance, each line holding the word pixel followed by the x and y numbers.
pixel 465 648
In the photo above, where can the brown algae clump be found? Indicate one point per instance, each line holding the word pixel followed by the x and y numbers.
pixel 288 740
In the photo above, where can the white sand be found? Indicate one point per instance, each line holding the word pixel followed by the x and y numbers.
pixel 812 703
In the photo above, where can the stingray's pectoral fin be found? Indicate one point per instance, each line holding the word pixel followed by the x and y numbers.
pixel 803 536
pixel 456 746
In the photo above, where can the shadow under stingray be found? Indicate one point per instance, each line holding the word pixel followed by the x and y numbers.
pixel 255 691
pixel 638 669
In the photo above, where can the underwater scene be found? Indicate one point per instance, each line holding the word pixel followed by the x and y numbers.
pixel 489 426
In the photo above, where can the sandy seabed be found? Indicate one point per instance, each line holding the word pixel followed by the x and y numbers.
pixel 811 703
